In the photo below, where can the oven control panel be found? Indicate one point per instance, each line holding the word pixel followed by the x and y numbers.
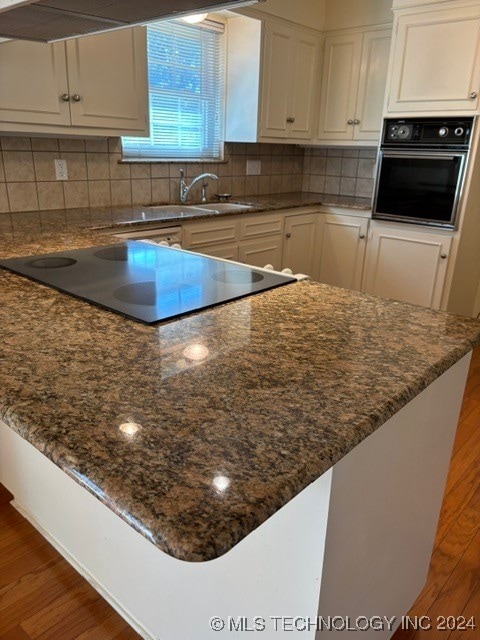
pixel 428 132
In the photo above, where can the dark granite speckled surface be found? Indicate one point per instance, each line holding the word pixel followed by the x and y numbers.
pixel 32 222
pixel 196 431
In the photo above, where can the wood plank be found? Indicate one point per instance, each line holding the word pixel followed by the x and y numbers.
pixel 461 460
pixel 111 625
pixel 471 610
pixel 15 634
pixel 5 495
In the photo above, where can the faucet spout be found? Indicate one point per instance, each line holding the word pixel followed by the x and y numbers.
pixel 185 188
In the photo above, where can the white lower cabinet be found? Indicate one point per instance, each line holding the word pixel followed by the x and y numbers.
pixel 300 250
pixel 342 246
pixel 262 252
pixel 406 264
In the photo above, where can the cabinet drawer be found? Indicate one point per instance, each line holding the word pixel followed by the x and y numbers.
pixel 258 226
pixel 199 234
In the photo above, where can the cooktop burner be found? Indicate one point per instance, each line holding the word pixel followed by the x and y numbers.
pixel 144 281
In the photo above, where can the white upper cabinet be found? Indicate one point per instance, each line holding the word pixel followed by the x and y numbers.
pixel 353 85
pixel 94 85
pixel 108 74
pixel 289 73
pixel 436 60
pixel 33 79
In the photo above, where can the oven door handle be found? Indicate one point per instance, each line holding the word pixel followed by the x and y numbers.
pixel 423 156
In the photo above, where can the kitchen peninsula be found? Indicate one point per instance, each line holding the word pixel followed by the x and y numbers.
pixel 283 455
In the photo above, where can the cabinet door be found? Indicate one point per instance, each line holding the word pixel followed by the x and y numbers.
pixel 302 90
pixel 277 64
pixel 436 61
pixel 33 78
pixel 339 86
pixel 108 73
pixel 210 232
pixel 342 250
pixel 300 251
pixel 262 252
pixel 372 84
pixel 225 251
pixel 406 265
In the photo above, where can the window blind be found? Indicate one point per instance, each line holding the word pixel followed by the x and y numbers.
pixel 186 69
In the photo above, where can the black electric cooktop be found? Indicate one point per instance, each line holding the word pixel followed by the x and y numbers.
pixel 143 281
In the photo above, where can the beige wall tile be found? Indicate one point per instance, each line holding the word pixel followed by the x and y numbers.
pixel 79 217
pixel 277 165
pixel 349 167
pixel 121 192
pixel 264 185
pixel 4 206
pixel 366 168
pixel 115 145
pixel 251 185
pixel 71 144
pixel 15 143
pixel 238 186
pixel 22 196
pixel 19 166
pixel 318 165
pixel 76 194
pixel 225 185
pixel 317 184
pixel 347 186
pixel 332 185
pixel 287 165
pixel 276 183
pixel 45 144
pixel 96 146
pixel 334 166
pixel 141 170
pixel 2 172
pixel 160 170
pixel 50 195
pixel 287 183
pixel 99 193
pixel 141 191
pixel 98 166
pixel 76 165
pixel 364 188
pixel 44 162
pixel 118 171
pixel 160 190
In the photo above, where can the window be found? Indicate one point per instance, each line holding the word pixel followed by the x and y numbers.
pixel 186 93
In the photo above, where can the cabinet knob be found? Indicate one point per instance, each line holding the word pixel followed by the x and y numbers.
pixel 473 95
pixel 356 121
pixel 290 120
pixel 288 235
pixel 76 97
pixel 350 121
pixel 362 236
pixel 65 97
pixel 443 256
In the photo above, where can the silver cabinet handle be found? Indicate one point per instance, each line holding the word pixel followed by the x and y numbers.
pixel 356 121
pixel 76 97
pixel 473 95
pixel 443 256
pixel 288 235
pixel 362 236
pixel 290 120
pixel 350 121
pixel 65 97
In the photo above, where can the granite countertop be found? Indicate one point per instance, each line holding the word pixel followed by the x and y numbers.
pixel 34 222
pixel 196 453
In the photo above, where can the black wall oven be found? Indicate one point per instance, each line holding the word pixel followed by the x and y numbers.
pixel 421 170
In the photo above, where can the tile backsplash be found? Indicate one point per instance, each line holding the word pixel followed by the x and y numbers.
pixel 96 178
pixel 345 172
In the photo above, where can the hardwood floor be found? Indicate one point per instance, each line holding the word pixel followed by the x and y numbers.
pixel 43 598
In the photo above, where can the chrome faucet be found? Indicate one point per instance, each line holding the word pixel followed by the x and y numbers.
pixel 185 188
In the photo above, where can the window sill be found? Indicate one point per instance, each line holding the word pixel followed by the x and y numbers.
pixel 160 161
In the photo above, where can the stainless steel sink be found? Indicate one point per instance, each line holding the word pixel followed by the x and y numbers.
pixel 179 209
pixel 224 206
pixel 189 209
